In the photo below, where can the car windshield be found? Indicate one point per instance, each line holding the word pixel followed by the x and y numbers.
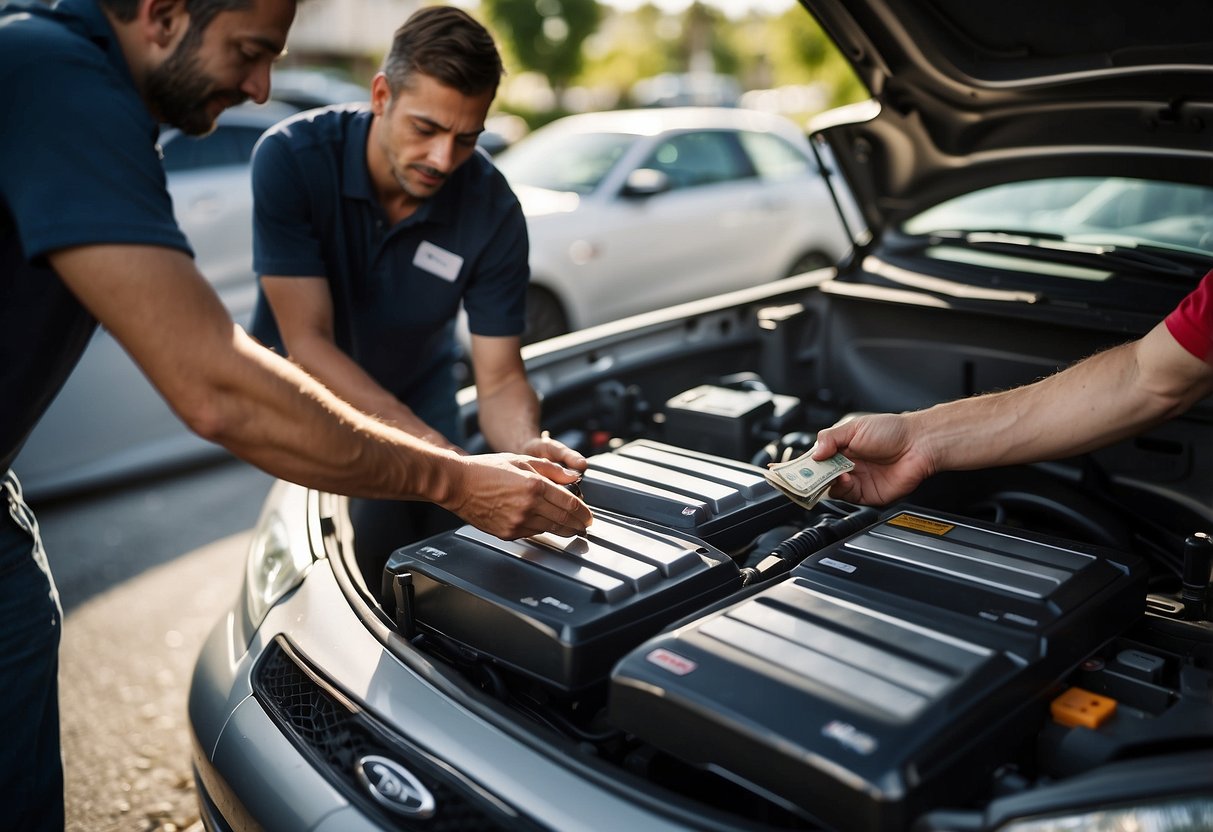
pixel 563 161
pixel 1124 213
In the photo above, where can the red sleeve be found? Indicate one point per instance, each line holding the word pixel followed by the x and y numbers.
pixel 1191 323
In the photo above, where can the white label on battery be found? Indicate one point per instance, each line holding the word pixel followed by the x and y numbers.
pixel 850 736
pixel 837 564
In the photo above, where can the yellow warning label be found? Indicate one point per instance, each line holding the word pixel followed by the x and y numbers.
pixel 921 524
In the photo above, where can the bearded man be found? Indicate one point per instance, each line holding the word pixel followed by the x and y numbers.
pixel 87 236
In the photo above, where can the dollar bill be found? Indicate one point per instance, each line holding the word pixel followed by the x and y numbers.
pixel 804 502
pixel 806 480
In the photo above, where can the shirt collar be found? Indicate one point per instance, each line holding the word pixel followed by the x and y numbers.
pixel 87 19
pixel 356 178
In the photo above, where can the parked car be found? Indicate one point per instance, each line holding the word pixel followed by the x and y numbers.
pixel 306 88
pixel 1023 649
pixel 686 89
pixel 129 430
pixel 635 210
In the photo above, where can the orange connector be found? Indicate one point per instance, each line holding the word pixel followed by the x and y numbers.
pixel 1081 707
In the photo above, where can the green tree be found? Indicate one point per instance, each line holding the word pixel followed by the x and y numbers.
pixel 705 35
pixel 546 36
pixel 801 53
pixel 633 45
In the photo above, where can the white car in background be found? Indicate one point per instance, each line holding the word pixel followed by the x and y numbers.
pixel 636 210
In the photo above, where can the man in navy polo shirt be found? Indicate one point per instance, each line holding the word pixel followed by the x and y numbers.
pixel 87 235
pixel 372 224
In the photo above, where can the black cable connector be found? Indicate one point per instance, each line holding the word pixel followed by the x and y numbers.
pixel 790 552
pixel 1198 563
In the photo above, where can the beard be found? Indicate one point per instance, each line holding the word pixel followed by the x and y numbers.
pixel 417 192
pixel 178 91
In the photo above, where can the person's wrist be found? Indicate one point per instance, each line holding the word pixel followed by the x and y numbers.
pixel 444 476
pixel 531 445
pixel 924 442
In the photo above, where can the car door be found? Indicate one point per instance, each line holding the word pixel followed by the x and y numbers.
pixel 208 179
pixel 793 221
pixel 689 241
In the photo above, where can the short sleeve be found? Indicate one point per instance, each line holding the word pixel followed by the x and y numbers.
pixel 78 157
pixel 1191 323
pixel 495 300
pixel 284 242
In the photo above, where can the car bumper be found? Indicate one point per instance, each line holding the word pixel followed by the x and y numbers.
pixel 254 773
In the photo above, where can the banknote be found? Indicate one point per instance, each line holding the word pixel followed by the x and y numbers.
pixel 804 502
pixel 806 480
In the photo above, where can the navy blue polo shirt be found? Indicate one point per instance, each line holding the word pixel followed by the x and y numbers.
pixel 78 165
pixel 396 290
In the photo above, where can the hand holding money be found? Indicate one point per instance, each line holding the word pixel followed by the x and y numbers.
pixel 805 480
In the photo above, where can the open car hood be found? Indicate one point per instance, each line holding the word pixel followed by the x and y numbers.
pixel 968 94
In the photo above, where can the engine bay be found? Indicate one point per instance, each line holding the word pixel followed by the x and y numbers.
pixel 1001 636
pixel 1004 643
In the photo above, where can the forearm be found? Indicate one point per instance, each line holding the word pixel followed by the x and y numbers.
pixel 345 377
pixel 229 389
pixel 509 415
pixel 269 413
pixel 1100 400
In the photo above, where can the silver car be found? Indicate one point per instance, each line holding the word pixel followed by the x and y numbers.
pixel 636 210
pixel 1023 649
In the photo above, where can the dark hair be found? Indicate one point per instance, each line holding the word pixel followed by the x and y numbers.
pixel 201 12
pixel 448 45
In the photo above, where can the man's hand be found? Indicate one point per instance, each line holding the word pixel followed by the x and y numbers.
pixel 544 447
pixel 888 465
pixel 512 496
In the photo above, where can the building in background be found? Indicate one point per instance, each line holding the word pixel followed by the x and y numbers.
pixel 349 33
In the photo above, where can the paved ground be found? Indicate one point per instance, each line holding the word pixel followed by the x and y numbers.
pixel 127 657
pixel 144 572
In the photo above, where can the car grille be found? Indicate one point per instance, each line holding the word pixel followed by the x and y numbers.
pixel 335 733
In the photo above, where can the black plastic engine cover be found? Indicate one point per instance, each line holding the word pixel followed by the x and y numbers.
pixel 887 673
pixel 561 610
pixel 723 502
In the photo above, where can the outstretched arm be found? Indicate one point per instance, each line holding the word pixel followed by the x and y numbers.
pixel 303 310
pixel 1102 399
pixel 267 411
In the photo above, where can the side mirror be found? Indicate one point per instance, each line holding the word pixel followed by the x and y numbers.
pixel 644 182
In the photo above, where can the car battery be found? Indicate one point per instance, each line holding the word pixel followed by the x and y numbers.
pixel 723 502
pixel 724 420
pixel 887 673
pixel 560 610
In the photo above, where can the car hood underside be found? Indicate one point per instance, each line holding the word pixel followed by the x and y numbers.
pixel 998 92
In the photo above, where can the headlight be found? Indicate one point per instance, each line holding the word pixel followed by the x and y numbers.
pixel 1190 814
pixel 278 559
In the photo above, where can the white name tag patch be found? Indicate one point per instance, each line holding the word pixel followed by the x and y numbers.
pixel 439 261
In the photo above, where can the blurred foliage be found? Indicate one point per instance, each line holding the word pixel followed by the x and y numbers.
pixel 633 45
pixel 565 56
pixel 801 53
pixel 568 56
pixel 546 36
pixel 592 54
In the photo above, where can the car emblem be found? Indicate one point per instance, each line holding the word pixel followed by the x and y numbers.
pixel 394 786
